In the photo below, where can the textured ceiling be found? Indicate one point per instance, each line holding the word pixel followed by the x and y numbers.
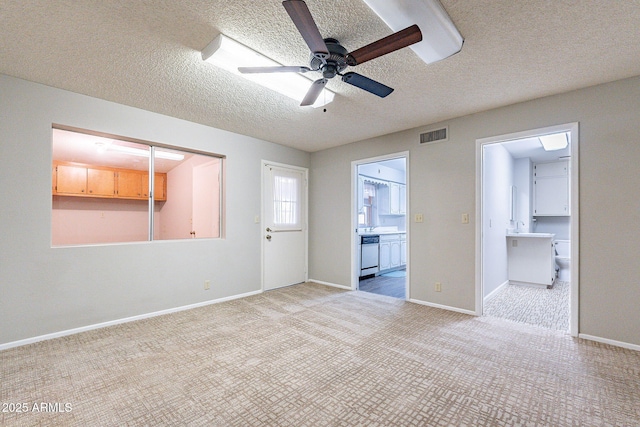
pixel 146 54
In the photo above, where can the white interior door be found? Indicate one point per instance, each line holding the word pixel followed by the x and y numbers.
pixel 206 201
pixel 284 232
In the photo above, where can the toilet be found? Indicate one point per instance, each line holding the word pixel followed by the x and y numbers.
pixel 563 259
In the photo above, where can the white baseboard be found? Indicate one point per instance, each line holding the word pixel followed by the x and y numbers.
pixel 610 342
pixel 335 285
pixel 529 284
pixel 444 307
pixel 59 334
pixel 495 291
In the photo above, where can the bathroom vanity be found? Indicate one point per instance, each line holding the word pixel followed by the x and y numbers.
pixel 531 259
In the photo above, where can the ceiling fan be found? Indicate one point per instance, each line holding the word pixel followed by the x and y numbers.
pixel 331 59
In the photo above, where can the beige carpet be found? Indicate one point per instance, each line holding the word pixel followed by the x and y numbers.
pixel 547 308
pixel 311 355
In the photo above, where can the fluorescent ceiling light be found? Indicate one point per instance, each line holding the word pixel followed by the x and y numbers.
pixel 143 153
pixel 228 54
pixel 556 141
pixel 440 37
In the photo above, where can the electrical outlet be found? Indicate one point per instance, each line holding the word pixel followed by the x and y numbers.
pixel 207 284
pixel 419 218
pixel 438 287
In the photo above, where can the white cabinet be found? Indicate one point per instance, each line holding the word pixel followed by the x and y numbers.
pixel 395 254
pixel 393 199
pixel 551 189
pixel 393 251
pixel 385 255
pixel 531 260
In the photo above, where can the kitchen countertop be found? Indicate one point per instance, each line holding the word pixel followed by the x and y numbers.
pixel 534 235
pixel 381 231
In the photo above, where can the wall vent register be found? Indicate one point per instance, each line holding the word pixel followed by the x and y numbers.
pixel 437 135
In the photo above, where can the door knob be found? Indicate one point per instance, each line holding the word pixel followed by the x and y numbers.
pixel 268 237
pixel 268 230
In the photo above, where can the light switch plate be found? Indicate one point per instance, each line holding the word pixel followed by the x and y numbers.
pixel 465 218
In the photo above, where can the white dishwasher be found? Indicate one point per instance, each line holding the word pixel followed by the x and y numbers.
pixel 369 255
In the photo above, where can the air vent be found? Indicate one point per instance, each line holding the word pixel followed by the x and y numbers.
pixel 437 135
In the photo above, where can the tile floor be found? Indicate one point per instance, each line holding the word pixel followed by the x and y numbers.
pixel 384 285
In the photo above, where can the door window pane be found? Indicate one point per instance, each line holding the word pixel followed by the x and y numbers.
pixel 287 197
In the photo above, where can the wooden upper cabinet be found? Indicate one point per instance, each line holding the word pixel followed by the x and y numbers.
pixel 135 185
pixel 78 180
pixel 130 184
pixel 159 187
pixel 70 179
pixel 101 182
pixel 97 181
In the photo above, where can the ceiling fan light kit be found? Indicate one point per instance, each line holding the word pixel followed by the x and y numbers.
pixel 230 55
pixel 330 59
pixel 440 37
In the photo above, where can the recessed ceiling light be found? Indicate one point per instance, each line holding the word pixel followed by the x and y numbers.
pixel 440 37
pixel 228 54
pixel 556 141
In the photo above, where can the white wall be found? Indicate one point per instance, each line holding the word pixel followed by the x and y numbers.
pixel 78 220
pixel 497 181
pixel 45 290
pixel 558 225
pixel 522 179
pixel 442 186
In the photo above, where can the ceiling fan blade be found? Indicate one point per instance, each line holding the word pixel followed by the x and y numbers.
pixel 314 92
pixel 300 15
pixel 282 69
pixel 367 84
pixel 389 44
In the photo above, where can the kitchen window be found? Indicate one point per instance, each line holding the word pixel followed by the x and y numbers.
pixel 102 191
pixel 365 217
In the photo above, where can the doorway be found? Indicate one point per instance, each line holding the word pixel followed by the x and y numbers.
pixel 527 209
pixel 206 203
pixel 284 225
pixel 379 218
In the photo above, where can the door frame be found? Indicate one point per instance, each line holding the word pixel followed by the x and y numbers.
pixel 305 219
pixel 573 128
pixel 354 215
